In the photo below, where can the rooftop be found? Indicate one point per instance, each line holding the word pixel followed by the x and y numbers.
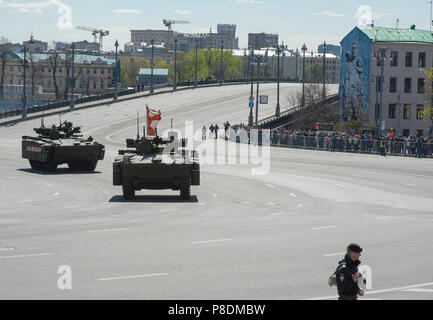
pixel 379 34
pixel 78 59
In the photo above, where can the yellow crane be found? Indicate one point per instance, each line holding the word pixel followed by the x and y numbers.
pixel 168 23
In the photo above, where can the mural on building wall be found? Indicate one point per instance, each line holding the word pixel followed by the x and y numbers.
pixel 354 76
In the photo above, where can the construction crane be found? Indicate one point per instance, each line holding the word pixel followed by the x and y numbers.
pixel 95 33
pixel 168 23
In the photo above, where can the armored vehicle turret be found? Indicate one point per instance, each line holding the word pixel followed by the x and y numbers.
pixel 61 144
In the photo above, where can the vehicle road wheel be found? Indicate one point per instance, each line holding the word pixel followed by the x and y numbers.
pixel 128 192
pixel 32 164
pixel 51 166
pixel 92 165
pixel 185 189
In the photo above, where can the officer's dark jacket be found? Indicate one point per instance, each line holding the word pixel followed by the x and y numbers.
pixel 345 284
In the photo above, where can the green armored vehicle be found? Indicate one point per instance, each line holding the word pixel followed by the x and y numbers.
pixel 59 145
pixel 156 164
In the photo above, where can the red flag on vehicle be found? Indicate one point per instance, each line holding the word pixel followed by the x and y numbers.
pixel 153 119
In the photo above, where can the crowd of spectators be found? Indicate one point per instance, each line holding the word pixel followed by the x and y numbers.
pixel 348 142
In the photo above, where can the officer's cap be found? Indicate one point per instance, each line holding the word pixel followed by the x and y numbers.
pixel 354 248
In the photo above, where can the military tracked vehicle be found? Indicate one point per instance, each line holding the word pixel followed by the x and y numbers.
pixel 61 145
pixel 156 163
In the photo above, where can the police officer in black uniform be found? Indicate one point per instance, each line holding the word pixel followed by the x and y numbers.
pixel 347 274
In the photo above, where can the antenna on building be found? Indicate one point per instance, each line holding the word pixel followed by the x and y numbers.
pixel 398 20
pixel 431 13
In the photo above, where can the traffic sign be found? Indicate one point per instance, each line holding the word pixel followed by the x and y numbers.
pixel 251 105
pixel 264 99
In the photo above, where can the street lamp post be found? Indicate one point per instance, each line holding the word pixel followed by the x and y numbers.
pixel 115 72
pixel 324 71
pixel 250 119
pixel 249 62
pixel 382 56
pixel 221 64
pixel 312 58
pixel 277 111
pixel 297 55
pixel 175 65
pixel 151 68
pixel 259 57
pixel 72 81
pixel 304 49
pixel 196 57
pixel 24 113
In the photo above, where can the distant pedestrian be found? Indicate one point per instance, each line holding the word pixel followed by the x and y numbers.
pixel 419 145
pixel 383 147
pixel 216 128
pixel 211 131
pixel 204 133
pixel 347 275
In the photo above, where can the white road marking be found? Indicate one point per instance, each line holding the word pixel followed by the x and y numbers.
pixel 211 241
pixel 135 277
pixel 107 230
pixel 409 184
pixel 357 176
pixel 340 185
pixel 72 207
pixel 27 256
pixel 215 195
pixel 278 214
pixel 335 254
pixel 323 228
pixel 10 211
pixel 270 186
pixel 202 204
pixel 168 210
pixel 419 290
pixel 381 291
pixel 237 178
pixel 300 206
pixel 10 178
pixel 293 195
pixel 382 218
pixel 25 201
pixel 48 185
pixel 56 194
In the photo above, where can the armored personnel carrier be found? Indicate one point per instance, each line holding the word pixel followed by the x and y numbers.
pixel 156 163
pixel 59 145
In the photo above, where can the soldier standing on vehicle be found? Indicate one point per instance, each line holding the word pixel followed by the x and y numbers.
pixel 347 274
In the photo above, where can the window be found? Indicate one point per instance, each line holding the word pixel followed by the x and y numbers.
pixel 377 111
pixel 94 85
pixel 419 133
pixel 421 86
pixel 420 112
pixel 392 111
pixel 407 85
pixel 393 85
pixel 394 61
pixel 421 60
pixel 88 70
pixel 94 71
pixel 409 56
pixel 406 132
pixel 406 112
pixel 60 70
pixel 378 84
pixel 102 71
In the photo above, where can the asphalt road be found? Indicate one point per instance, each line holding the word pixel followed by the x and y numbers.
pixel 242 236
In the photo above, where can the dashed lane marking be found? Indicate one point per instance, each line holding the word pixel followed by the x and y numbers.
pixel 323 228
pixel 300 206
pixel 211 241
pixel 335 254
pixel 270 186
pixel 278 214
pixel 107 230
pixel 27 256
pixel 419 290
pixel 135 277
pixel 293 195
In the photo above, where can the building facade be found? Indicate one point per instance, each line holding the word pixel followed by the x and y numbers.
pixel 93 75
pixel 262 40
pixel 396 100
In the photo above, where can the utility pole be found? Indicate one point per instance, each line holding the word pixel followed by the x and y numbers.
pixel 382 81
pixel 297 73
pixel 175 65
pixel 24 100
pixel 249 62
pixel 304 48
pixel 258 85
pixel 151 68
pixel 250 119
pixel 72 82
pixel 210 54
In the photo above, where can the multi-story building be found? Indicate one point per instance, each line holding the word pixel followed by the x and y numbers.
pixel 330 48
pixel 146 36
pixel 262 40
pixel 93 75
pixel 79 45
pixel 37 46
pixel 383 78
pixel 228 34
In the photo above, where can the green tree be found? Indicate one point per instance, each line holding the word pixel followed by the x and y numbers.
pixel 316 71
pixel 130 67
pixel 428 107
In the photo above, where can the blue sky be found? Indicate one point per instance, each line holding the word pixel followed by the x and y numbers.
pixel 296 22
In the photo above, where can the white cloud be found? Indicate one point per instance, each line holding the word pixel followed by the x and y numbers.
pixel 127 11
pixel 32 7
pixel 329 14
pixel 183 12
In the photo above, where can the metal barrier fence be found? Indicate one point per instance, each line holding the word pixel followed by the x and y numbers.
pixel 354 145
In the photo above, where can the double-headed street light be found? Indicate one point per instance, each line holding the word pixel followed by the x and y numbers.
pixel 304 49
pixel 115 72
